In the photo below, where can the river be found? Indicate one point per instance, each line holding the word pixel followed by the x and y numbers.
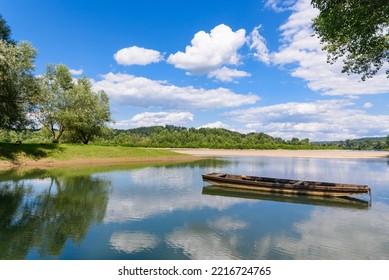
pixel 165 211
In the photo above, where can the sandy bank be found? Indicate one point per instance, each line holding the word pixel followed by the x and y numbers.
pixel 286 153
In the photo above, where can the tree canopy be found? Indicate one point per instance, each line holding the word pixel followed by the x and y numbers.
pixel 5 31
pixel 71 107
pixel 18 87
pixel 356 31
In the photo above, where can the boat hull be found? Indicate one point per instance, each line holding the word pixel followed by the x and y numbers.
pixel 284 186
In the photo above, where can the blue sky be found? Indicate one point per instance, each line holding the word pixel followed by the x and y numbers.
pixel 249 65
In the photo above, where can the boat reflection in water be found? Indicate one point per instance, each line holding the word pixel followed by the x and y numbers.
pixel 342 202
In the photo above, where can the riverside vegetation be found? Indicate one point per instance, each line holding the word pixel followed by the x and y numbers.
pixel 170 136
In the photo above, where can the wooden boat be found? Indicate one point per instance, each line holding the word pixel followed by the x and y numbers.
pixel 286 186
pixel 326 201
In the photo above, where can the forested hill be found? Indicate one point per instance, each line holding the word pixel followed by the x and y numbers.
pixel 181 137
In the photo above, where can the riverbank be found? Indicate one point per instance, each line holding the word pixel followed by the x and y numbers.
pixel 335 154
pixel 46 156
pixel 50 155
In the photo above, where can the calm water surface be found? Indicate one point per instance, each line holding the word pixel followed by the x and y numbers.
pixel 167 212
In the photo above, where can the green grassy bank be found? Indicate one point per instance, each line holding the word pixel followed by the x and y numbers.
pixel 65 152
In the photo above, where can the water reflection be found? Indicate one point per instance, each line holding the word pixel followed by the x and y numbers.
pixel 42 214
pixel 345 202
pixel 330 234
pixel 133 242
pixel 165 212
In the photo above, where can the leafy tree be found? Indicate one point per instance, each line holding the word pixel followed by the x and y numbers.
pixel 89 111
pixel 5 31
pixel 18 87
pixel 52 112
pixel 71 107
pixel 357 31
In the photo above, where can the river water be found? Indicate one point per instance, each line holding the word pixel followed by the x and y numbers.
pixel 167 212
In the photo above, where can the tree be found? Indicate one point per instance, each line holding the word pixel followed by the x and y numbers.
pixel 18 87
pixel 56 102
pixel 71 107
pixel 90 111
pixel 357 31
pixel 5 31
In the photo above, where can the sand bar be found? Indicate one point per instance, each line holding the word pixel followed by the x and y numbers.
pixel 336 154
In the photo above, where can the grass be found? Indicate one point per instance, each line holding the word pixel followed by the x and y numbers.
pixel 11 152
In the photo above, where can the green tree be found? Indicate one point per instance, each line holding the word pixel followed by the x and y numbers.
pixel 89 112
pixel 56 102
pixel 71 107
pixel 5 31
pixel 18 87
pixel 357 31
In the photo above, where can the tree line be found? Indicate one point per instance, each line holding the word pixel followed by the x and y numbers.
pixel 54 101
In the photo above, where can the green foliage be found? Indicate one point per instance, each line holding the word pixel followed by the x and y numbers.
pixel 18 87
pixel 71 108
pixel 355 30
pixel 217 138
pixel 376 144
pixel 5 31
pixel 89 112
pixel 52 111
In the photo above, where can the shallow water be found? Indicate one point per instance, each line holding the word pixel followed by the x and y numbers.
pixel 167 212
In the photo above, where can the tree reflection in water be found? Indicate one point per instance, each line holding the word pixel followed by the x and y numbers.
pixel 44 219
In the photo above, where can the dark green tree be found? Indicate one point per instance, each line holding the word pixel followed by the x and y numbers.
pixel 5 31
pixel 356 31
pixel 18 88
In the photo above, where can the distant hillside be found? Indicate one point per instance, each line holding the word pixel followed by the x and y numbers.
pixel 366 143
pixel 181 137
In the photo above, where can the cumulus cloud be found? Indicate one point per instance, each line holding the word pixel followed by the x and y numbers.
pixel 76 72
pixel 226 74
pixel 155 118
pixel 217 124
pixel 303 53
pixel 209 51
pixel 137 56
pixel 125 89
pixel 318 120
pixel 367 105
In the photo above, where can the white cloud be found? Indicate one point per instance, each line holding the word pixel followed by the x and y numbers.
pixel 155 118
pixel 133 242
pixel 303 52
pixel 142 92
pixel 209 51
pixel 137 56
pixel 76 72
pixel 217 124
pixel 367 105
pixel 226 74
pixel 258 42
pixel 318 120
pixel 279 5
